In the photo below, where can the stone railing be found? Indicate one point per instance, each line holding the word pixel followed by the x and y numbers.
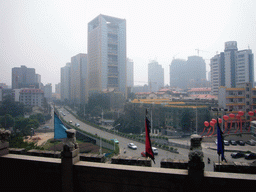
pixel 27 173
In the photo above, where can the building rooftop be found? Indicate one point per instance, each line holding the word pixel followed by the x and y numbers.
pixel 31 91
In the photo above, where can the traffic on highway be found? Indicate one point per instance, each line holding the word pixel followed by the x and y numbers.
pixel 132 148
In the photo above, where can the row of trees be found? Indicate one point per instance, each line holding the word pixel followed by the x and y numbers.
pixel 12 115
pixel 22 124
pixel 178 118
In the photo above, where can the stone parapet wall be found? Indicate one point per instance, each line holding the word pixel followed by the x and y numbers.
pixel 174 164
pixel 235 167
pixel 125 160
pixel 92 157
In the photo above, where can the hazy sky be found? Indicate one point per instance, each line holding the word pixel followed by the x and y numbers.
pixel 45 34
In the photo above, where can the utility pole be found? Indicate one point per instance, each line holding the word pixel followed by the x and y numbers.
pixel 196 117
pixel 102 117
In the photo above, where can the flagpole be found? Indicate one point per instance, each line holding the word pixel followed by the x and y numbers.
pixel 219 162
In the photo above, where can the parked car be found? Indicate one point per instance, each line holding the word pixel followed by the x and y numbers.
pixel 46 127
pixel 249 156
pixel 143 153
pixel 251 142
pixel 70 122
pixel 232 142
pixel 155 150
pixel 115 140
pixel 132 146
pixel 240 142
pixel 77 125
pixel 225 142
pixel 237 155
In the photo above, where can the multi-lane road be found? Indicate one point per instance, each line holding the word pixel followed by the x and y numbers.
pixel 183 153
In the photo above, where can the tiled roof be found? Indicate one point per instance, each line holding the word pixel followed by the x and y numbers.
pixel 199 89
pixel 202 96
pixel 142 93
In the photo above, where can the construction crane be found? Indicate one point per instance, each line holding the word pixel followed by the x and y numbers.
pixel 200 50
pixel 175 55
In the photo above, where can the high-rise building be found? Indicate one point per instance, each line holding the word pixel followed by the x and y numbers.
pixel 178 76
pixel 129 69
pixel 23 77
pixel 231 68
pixel 65 83
pixel 188 74
pixel 57 88
pixel 48 91
pixel 196 72
pixel 107 54
pixel 155 76
pixel 78 79
pixel 38 78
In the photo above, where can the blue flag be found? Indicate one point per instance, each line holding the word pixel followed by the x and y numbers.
pixel 59 128
pixel 220 146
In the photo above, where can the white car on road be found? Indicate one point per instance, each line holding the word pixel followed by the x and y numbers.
pixel 132 146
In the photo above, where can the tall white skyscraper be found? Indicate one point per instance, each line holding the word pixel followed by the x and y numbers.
pixel 155 76
pixel 107 54
pixel 231 67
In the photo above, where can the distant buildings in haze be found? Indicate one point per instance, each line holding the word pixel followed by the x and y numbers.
pixel 23 77
pixel 78 79
pixel 65 82
pixel 130 73
pixel 155 76
pixel 188 74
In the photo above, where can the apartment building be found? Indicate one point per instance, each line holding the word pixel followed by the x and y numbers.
pixel 231 68
pixel 32 97
pixel 241 98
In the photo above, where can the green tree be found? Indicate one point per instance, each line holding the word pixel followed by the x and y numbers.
pixel 9 106
pixel 186 119
pixel 39 117
pixel 16 141
pixel 6 121
pixel 133 120
pixel 21 125
pixel 33 123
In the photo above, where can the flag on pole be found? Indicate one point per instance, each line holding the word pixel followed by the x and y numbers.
pixel 220 146
pixel 148 148
pixel 59 128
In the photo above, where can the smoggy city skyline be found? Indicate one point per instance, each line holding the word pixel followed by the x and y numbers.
pixel 45 34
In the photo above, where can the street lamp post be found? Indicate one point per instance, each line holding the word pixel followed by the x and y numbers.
pixel 115 127
pixel 222 110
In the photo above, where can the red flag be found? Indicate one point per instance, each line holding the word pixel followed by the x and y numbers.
pixel 148 151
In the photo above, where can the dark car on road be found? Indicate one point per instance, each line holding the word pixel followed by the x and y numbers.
pixel 249 156
pixel 240 142
pixel 232 142
pixel 237 155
